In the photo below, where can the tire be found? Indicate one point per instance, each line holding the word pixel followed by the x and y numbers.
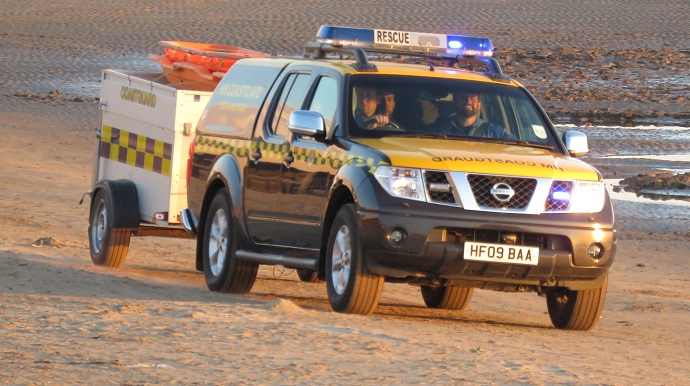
pixel 108 246
pixel 447 298
pixel 223 272
pixel 352 289
pixel 576 310
pixel 308 276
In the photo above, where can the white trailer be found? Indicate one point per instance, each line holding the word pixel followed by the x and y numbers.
pixel 139 181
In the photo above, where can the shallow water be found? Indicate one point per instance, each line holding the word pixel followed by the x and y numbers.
pixel 639 133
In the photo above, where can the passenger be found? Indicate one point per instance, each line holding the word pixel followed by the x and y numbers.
pixel 465 120
pixel 365 110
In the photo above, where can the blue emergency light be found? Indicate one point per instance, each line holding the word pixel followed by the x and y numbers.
pixel 397 41
pixel 560 196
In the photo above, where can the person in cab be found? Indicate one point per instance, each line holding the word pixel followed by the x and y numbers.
pixel 465 120
pixel 367 103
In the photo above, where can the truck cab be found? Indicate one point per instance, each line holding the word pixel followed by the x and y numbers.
pixel 358 172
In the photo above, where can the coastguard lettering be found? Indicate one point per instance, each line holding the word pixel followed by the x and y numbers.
pixel 392 37
pixel 551 167
pixel 242 91
pixel 138 96
pixel 494 160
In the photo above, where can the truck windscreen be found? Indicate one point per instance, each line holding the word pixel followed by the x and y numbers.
pixel 389 105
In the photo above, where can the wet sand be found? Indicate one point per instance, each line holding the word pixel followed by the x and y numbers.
pixel 65 321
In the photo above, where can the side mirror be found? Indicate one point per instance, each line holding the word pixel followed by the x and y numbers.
pixel 307 123
pixel 575 143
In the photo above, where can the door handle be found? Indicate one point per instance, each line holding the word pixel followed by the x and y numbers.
pixel 289 158
pixel 256 155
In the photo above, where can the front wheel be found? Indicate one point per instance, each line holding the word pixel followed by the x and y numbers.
pixel 223 272
pixel 447 298
pixel 108 246
pixel 576 310
pixel 352 289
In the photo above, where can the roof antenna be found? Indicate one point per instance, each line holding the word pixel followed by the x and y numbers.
pixel 431 65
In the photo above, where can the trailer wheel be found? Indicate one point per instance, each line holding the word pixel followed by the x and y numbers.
pixel 224 272
pixel 108 246
pixel 308 276
pixel 576 310
pixel 352 288
pixel 447 298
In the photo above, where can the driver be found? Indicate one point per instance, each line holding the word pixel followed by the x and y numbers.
pixel 387 104
pixel 466 119
pixel 368 100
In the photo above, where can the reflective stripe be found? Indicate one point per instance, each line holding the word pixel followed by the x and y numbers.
pixel 136 150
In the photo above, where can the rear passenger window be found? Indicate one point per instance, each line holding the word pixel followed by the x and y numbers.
pixel 291 98
pixel 325 99
pixel 237 99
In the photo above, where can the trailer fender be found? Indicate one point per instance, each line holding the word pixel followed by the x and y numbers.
pixel 124 201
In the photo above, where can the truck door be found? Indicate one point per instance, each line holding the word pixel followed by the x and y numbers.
pixel 306 179
pixel 269 146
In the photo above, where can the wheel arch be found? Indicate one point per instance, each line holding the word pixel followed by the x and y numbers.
pixel 339 197
pixel 225 173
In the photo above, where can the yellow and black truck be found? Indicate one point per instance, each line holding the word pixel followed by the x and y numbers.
pixel 425 165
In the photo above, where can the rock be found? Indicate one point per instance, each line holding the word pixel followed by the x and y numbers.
pixel 48 241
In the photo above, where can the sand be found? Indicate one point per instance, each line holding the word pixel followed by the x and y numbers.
pixel 65 321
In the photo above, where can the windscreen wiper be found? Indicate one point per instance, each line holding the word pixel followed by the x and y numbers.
pixel 425 135
pixel 528 144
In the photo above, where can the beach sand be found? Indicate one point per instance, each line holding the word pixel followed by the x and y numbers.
pixel 65 321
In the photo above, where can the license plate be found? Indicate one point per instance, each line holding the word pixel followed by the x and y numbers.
pixel 501 253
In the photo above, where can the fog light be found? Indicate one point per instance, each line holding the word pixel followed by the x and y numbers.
pixel 397 237
pixel 596 251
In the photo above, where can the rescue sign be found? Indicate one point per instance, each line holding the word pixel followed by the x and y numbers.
pixel 391 37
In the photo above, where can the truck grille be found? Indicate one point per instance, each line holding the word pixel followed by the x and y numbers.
pixel 481 188
pixel 435 186
pixel 557 205
pixel 460 235
pixel 542 241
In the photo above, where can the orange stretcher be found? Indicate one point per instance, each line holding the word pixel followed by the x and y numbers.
pixel 199 66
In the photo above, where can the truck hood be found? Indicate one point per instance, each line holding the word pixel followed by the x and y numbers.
pixel 480 157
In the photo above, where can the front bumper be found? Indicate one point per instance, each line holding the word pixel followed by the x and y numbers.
pixel 435 241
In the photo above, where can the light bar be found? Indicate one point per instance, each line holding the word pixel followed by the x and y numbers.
pixel 397 41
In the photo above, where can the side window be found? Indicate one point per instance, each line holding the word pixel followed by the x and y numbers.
pixel 325 100
pixel 291 98
pixel 237 99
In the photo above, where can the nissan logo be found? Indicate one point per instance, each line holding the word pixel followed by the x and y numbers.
pixel 502 192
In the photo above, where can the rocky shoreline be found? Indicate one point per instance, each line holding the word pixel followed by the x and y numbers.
pixel 657 181
pixel 595 87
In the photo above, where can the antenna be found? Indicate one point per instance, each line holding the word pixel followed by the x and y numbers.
pixel 431 65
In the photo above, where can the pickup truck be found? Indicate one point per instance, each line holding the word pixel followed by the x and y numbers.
pixel 425 172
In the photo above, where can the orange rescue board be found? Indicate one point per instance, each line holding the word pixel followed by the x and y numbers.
pixel 199 66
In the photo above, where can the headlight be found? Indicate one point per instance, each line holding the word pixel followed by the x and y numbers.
pixel 401 182
pixel 587 197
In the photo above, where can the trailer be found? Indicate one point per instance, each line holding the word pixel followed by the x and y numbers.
pixel 139 178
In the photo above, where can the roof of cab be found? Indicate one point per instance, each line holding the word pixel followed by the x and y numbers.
pixel 344 66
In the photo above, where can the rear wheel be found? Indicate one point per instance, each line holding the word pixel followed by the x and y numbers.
pixel 108 246
pixel 223 272
pixel 576 310
pixel 447 297
pixel 308 276
pixel 352 289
